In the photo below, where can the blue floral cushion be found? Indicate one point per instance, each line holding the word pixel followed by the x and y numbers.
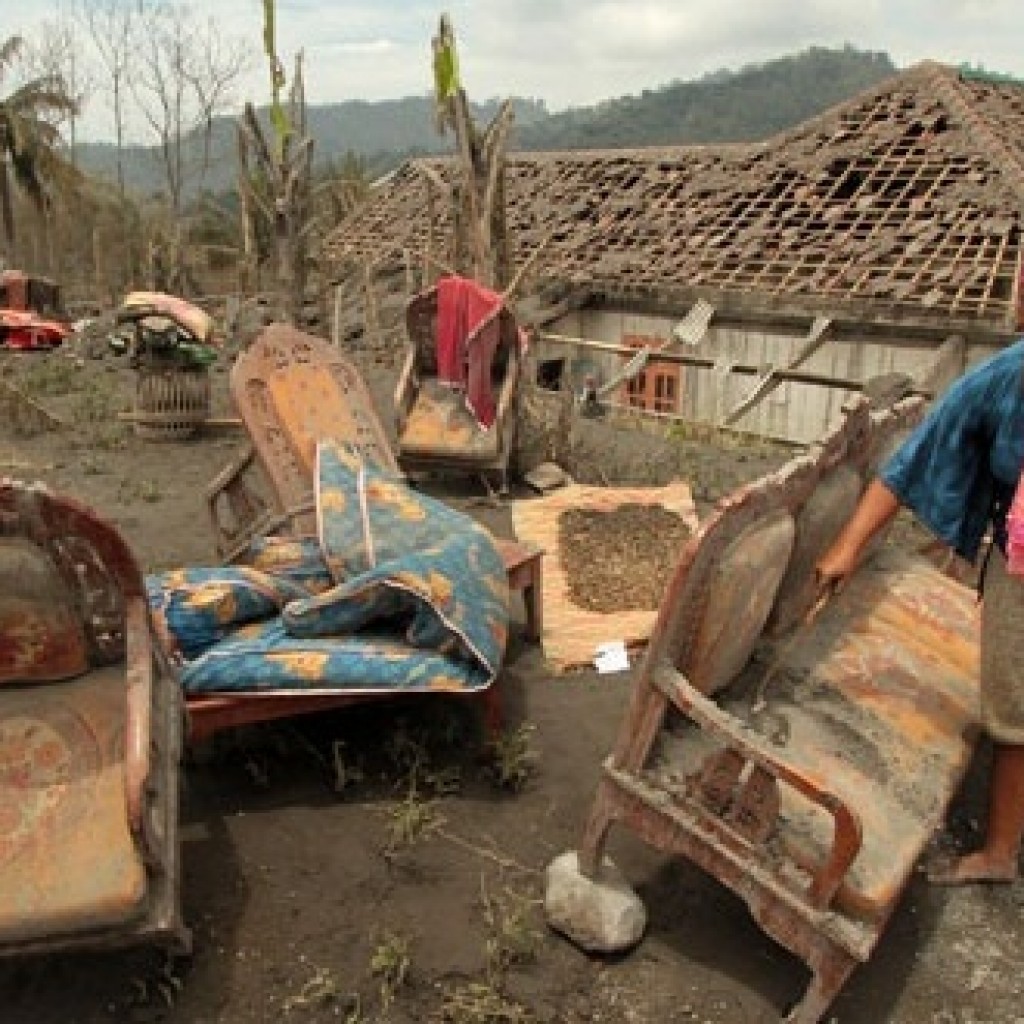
pixel 421 601
pixel 264 656
pixel 366 517
pixel 196 608
pixel 299 559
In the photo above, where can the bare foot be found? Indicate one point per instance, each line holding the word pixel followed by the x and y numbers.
pixel 974 867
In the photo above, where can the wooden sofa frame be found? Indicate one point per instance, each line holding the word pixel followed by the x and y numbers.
pixel 292 389
pixel 724 814
pixel 445 445
pixel 102 582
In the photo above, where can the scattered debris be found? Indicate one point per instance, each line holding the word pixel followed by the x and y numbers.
pixel 20 466
pixel 548 476
pixel 611 656
pixel 479 1003
pixel 320 990
pixel 31 317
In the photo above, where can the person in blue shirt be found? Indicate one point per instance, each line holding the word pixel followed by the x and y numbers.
pixel 957 472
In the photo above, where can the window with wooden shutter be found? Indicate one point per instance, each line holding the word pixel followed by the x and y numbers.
pixel 657 387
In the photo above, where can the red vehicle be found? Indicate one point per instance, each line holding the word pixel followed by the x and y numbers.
pixel 30 313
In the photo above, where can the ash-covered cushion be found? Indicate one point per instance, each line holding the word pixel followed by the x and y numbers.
pixel 400 555
pixel 41 633
pixel 741 592
pixel 818 523
pixel 418 595
pixel 421 604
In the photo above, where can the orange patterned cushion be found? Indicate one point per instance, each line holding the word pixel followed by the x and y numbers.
pixel 41 634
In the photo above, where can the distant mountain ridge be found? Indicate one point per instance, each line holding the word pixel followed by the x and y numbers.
pixel 727 106
pixel 743 106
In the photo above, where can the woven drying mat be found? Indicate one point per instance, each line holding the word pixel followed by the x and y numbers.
pixel 571 633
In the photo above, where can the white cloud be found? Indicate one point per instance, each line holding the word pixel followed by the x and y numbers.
pixel 369 47
pixel 576 52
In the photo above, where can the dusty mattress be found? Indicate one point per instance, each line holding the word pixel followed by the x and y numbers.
pixel 396 592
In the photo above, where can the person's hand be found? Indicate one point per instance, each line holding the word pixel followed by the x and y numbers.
pixel 835 567
pixel 877 506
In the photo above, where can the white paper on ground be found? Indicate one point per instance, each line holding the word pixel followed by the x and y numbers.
pixel 611 657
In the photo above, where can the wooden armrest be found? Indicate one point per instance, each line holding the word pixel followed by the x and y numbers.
pixel 274 523
pixel 229 474
pixel 230 492
pixel 847 836
pixel 404 389
pixel 268 524
pixel 139 704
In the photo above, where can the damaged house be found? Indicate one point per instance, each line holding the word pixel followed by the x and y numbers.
pixel 757 285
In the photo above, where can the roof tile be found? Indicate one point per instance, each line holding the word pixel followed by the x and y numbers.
pixel 907 201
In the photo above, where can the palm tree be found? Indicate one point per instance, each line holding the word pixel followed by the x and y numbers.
pixel 30 142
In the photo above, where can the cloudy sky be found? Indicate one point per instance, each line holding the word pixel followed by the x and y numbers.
pixel 576 52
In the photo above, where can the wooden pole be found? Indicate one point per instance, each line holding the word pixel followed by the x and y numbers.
pixel 336 320
pixel 372 314
pixel 703 362
pixel 21 407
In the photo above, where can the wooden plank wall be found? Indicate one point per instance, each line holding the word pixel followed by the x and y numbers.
pixel 795 412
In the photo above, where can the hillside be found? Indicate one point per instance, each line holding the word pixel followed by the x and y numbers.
pixel 382 133
pixel 728 106
pixel 742 106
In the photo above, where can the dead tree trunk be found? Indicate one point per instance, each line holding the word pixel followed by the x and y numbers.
pixel 275 189
pixel 478 196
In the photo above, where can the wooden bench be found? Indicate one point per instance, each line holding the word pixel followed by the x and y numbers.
pixel 805 766
pixel 212 713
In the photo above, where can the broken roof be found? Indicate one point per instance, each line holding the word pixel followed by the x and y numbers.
pixel 903 205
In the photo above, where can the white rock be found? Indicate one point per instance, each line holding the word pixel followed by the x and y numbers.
pixel 601 914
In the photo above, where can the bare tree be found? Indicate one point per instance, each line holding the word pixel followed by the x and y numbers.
pixel 55 52
pixel 274 180
pixel 110 24
pixel 478 197
pixel 184 74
